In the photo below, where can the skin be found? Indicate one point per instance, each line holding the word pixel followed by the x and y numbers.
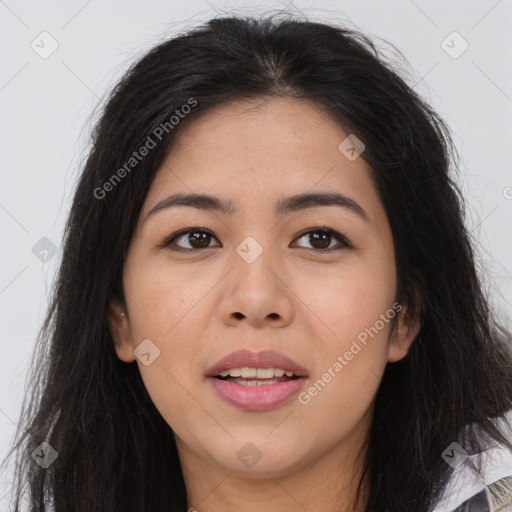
pixel 197 307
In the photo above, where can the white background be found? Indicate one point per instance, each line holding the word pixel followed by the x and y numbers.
pixel 46 105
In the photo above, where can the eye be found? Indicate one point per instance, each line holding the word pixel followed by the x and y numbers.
pixel 321 239
pixel 200 238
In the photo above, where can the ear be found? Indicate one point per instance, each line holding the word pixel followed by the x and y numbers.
pixel 119 328
pixel 405 329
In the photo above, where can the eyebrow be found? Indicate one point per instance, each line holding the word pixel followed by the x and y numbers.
pixel 282 207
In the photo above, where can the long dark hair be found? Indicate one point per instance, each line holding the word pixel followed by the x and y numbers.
pixel 115 451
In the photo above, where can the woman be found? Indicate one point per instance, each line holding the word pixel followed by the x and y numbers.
pixel 268 297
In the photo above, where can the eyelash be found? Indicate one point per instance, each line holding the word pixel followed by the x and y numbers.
pixel 338 236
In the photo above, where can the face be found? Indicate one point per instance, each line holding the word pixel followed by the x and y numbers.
pixel 252 278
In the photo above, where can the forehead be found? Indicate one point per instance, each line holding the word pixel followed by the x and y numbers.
pixel 261 149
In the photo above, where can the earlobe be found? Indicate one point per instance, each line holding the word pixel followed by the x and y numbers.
pixel 405 330
pixel 119 328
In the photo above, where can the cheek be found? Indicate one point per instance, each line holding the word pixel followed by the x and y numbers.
pixel 350 360
pixel 361 315
pixel 346 300
pixel 165 301
pixel 164 307
pixel 354 315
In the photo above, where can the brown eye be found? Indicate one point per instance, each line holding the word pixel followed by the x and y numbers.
pixel 196 238
pixel 321 239
pixel 199 239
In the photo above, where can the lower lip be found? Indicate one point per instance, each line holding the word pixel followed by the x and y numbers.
pixel 257 398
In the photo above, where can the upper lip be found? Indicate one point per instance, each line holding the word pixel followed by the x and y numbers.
pixel 262 359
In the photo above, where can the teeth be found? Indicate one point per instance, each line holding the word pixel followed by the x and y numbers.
pixel 248 373
pixel 253 383
pixel 255 373
pixel 264 373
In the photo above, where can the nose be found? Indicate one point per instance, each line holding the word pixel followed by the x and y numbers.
pixel 256 292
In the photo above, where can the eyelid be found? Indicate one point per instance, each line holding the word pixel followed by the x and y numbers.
pixel 169 240
pixel 342 239
pixel 335 234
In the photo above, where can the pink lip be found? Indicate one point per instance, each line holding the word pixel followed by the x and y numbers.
pixel 263 359
pixel 257 398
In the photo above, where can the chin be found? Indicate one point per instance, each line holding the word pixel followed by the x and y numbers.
pixel 257 460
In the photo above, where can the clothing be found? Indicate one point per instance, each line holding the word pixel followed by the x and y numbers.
pixel 466 492
pixel 493 498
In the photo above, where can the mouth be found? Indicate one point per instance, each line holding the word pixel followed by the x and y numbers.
pixel 257 381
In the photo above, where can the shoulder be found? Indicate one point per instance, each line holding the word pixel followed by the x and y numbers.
pixel 495 497
pixel 491 491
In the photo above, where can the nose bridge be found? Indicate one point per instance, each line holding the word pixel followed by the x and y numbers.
pixel 257 290
pixel 253 260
